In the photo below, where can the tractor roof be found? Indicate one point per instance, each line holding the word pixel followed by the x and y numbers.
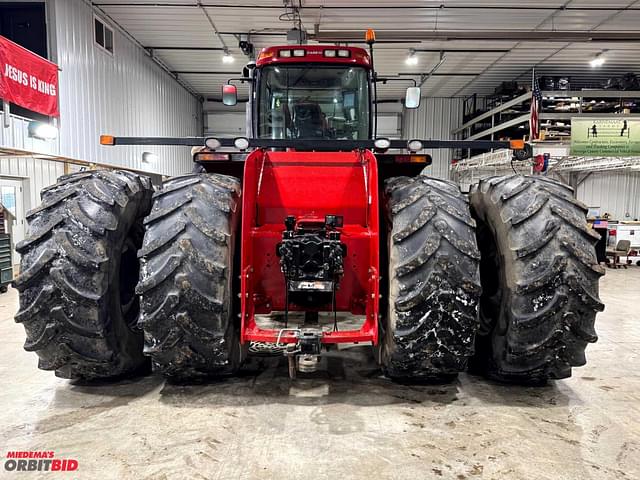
pixel 329 54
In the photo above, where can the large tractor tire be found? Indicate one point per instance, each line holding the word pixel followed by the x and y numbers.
pixel 78 275
pixel 187 276
pixel 539 277
pixel 434 281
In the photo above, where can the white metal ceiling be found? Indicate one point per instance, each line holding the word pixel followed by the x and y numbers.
pixel 165 25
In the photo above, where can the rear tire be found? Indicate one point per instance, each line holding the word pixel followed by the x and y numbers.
pixel 187 275
pixel 434 283
pixel 539 278
pixel 77 301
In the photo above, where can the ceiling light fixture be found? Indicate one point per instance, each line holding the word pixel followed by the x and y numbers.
pixel 597 61
pixel 227 57
pixel 412 59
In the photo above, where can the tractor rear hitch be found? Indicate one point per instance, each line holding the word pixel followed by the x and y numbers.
pixel 304 355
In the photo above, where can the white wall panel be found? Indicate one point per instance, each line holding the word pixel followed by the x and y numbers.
pixel 616 193
pixel 434 120
pixel 16 136
pixel 123 94
pixel 36 173
pixel 389 125
pixel 232 124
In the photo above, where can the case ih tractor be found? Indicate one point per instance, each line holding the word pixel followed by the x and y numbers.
pixel 306 238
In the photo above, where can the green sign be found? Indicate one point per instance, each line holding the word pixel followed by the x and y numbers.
pixel 605 137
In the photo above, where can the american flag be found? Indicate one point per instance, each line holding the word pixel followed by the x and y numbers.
pixel 536 101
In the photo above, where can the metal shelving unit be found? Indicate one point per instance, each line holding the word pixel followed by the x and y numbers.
pixel 518 110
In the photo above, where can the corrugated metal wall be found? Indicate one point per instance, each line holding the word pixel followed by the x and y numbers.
pixel 434 119
pixel 616 193
pixel 39 173
pixel 123 94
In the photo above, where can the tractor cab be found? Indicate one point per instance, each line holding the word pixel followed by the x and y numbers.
pixel 312 92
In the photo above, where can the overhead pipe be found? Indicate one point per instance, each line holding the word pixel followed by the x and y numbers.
pixel 476 35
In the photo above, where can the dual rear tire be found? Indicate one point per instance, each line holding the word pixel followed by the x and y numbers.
pixel 83 313
pixel 537 267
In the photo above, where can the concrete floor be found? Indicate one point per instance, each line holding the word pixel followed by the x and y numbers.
pixel 347 423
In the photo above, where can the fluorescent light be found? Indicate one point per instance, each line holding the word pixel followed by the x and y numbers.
pixel 412 59
pixel 597 61
pixel 44 131
pixel 227 57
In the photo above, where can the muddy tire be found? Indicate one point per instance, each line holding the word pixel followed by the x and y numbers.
pixel 539 277
pixel 187 275
pixel 434 282
pixel 77 301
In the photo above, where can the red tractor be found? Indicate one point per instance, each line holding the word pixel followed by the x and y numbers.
pixel 308 237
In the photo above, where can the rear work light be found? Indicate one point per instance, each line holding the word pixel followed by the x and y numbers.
pixel 414 145
pixel 299 53
pixel 329 53
pixel 344 53
pixel 212 143
pixel 241 143
pixel 284 53
pixel 382 143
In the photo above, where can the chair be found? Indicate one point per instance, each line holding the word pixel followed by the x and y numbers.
pixel 308 120
pixel 621 250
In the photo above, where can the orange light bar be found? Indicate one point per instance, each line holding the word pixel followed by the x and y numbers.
pixel 370 36
pixel 265 54
pixel 107 140
pixel 207 157
pixel 516 144
pixel 411 158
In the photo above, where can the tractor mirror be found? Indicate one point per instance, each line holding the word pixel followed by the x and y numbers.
pixel 229 95
pixel 412 97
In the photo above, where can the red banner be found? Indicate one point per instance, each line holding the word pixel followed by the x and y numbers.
pixel 27 79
